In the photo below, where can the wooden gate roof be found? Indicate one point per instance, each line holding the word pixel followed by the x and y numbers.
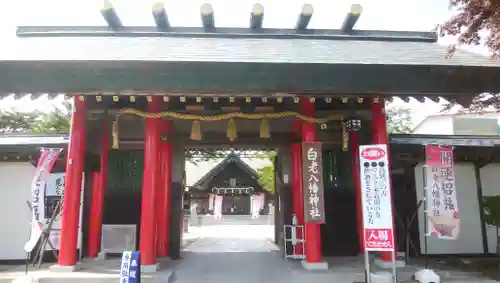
pixel 237 45
pixel 211 59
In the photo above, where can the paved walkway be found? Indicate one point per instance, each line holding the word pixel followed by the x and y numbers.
pixel 232 253
pixel 240 249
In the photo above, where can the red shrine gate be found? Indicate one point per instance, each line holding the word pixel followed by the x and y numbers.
pixel 190 73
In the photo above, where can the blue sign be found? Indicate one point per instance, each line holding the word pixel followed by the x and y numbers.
pixel 130 271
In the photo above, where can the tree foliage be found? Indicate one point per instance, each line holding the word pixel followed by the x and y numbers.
pixel 491 207
pixel 266 178
pixel 56 121
pixel 475 22
pixel 12 121
pixel 399 120
pixel 492 210
pixel 266 173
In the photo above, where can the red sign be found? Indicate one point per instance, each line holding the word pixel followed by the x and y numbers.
pixel 379 239
pixel 373 153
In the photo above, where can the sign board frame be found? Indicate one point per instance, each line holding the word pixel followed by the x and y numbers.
pixel 377 207
pixel 312 182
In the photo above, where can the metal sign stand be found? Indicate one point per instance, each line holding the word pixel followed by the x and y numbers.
pixel 426 213
pixel 45 239
pixel 294 240
pixel 368 278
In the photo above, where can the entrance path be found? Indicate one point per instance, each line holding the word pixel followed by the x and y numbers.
pixel 237 250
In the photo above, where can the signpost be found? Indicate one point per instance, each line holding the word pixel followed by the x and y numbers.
pixel 130 271
pixel 378 230
pixel 312 178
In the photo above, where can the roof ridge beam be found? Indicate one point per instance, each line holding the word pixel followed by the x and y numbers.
pixel 109 14
pixel 225 32
pixel 207 16
pixel 304 17
pixel 351 18
pixel 160 16
pixel 257 16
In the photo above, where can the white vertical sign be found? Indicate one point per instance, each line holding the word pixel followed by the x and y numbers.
pixel 442 205
pixel 376 198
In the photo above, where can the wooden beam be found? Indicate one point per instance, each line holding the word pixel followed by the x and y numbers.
pixel 257 16
pixel 109 14
pixel 160 16
pixel 266 79
pixel 304 17
pixel 224 32
pixel 207 16
pixel 351 18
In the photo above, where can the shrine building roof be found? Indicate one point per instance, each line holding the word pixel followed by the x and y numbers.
pixel 210 59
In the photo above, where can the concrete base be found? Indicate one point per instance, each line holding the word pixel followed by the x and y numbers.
pixel 163 262
pixel 64 268
pixel 314 265
pixel 388 264
pixel 152 268
pixel 102 255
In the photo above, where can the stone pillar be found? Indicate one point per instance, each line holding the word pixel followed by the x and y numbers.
pixel 149 188
pixel 72 188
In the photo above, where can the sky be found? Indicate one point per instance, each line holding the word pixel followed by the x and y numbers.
pixel 411 15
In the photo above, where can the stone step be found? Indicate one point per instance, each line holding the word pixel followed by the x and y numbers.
pixel 80 277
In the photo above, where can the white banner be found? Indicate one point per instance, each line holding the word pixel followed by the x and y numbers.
pixel 376 197
pixel 442 206
pixel 45 164
pixel 218 207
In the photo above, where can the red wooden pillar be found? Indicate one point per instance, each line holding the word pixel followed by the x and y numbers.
pixel 95 221
pixel 379 131
pixel 98 188
pixel 313 232
pixel 149 187
pixel 163 196
pixel 73 185
pixel 357 188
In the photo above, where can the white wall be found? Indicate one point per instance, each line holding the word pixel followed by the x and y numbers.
pixel 15 190
pixel 435 125
pixel 470 238
pixel 15 216
pixel 490 182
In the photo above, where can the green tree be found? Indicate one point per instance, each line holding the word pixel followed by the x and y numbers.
pixel 266 178
pixel 266 173
pixel 492 215
pixel 12 121
pixel 56 121
pixel 399 120
pixel 196 156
